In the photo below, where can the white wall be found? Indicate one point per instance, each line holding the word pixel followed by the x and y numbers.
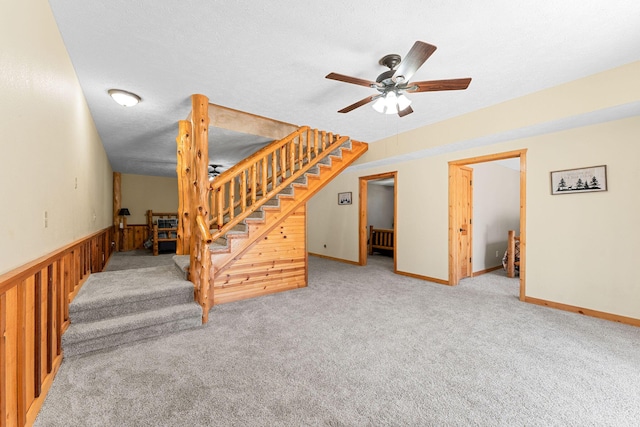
pixel 141 193
pixel 379 205
pixel 52 157
pixel 496 210
pixel 579 246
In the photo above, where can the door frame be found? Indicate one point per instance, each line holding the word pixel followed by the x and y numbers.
pixel 362 217
pixel 454 259
pixel 469 225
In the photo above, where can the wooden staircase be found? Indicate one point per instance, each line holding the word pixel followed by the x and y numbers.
pixel 268 252
pixel 246 229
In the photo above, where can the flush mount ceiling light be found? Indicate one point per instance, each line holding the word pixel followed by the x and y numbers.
pixel 124 98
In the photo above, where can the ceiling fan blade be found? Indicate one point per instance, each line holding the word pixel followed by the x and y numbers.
pixel 419 53
pixel 435 85
pixel 348 79
pixel 360 103
pixel 406 111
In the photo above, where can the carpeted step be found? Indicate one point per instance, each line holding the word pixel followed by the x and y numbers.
pixel 301 180
pixel 313 170
pixel 272 203
pixel 119 293
pixel 87 337
pixel 257 215
pixel 181 263
pixel 325 161
pixel 287 191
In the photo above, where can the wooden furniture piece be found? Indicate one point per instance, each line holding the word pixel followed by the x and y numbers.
pixel 380 238
pixel 163 229
pixel 511 260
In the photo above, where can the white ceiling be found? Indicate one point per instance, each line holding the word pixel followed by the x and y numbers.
pixel 270 59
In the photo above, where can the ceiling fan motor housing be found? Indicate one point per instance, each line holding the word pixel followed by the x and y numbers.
pixel 391 61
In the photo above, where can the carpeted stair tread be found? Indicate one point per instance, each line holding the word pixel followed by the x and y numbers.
pixel 287 191
pixel 273 202
pixel 91 336
pixel 181 263
pixel 347 145
pixel 301 180
pixel 313 170
pixel 122 292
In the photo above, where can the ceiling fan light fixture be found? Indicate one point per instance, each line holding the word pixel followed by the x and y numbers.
pixel 124 98
pixel 391 103
pixel 379 105
pixel 403 102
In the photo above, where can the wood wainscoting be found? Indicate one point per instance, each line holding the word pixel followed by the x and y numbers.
pixel 134 236
pixel 34 313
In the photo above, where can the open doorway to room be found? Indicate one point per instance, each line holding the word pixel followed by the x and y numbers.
pixel 377 219
pixel 461 223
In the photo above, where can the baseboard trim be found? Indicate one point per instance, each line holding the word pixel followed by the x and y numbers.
pixel 334 259
pixel 488 270
pixel 426 278
pixel 585 311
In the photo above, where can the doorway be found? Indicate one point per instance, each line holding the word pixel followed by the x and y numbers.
pixel 460 202
pixel 363 220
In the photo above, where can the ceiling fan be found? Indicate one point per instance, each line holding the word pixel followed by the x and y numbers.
pixel 392 84
pixel 213 171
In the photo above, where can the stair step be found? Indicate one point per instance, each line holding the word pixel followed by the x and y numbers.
pixel 286 191
pixel 302 180
pixel 123 292
pixel 347 145
pixel 273 202
pixel 104 334
pixel 325 161
pixel 313 170
pixel 256 215
pixel 181 263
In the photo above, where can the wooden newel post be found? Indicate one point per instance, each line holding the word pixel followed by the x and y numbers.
pixel 200 257
pixel 184 171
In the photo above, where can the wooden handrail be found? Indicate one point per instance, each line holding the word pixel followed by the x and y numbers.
pixel 288 159
pixel 233 171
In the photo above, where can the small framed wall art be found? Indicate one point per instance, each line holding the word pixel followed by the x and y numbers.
pixel 344 198
pixel 581 180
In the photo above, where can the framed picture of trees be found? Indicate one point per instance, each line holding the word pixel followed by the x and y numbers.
pixel 581 180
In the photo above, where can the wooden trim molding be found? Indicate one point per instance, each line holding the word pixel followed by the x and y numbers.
pixel 425 278
pixel 334 259
pixel 488 270
pixel 34 313
pixel 585 311
pixel 363 183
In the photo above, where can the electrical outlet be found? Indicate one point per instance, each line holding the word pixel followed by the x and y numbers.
pixel 497 254
pixel 46 219
pixel 76 183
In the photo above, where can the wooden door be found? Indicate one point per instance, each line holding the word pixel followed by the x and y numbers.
pixel 465 199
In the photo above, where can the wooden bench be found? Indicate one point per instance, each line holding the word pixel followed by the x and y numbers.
pixel 380 238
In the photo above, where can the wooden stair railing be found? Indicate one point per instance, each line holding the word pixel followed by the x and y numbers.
pixel 244 188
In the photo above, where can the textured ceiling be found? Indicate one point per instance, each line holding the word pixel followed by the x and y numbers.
pixel 270 59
